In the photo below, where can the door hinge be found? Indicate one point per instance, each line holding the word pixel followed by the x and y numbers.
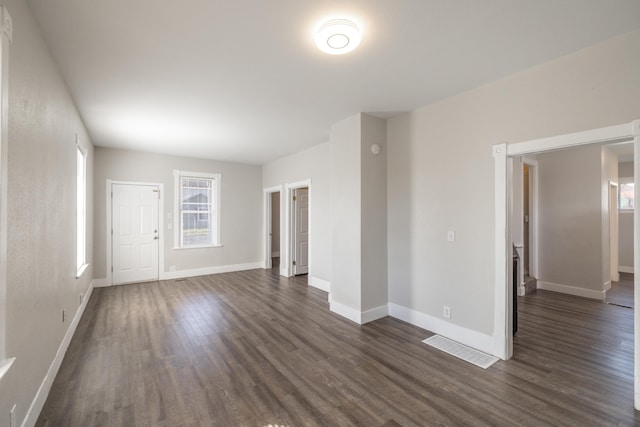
pixel 294 263
pixel 294 198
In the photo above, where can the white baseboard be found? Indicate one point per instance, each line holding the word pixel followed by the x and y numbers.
pixel 572 290
pixel 607 286
pixel 321 284
pixel 357 316
pixel 374 314
pixel 345 311
pixel 100 283
pixel 45 387
pixel 180 274
pixel 445 328
pixel 275 254
pixel 625 269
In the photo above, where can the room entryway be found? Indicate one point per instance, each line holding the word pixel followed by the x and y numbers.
pixel 504 155
pixel 134 233
pixel 301 231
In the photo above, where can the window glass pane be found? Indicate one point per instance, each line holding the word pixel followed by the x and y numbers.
pixel 196 229
pixel 627 196
pixel 197 205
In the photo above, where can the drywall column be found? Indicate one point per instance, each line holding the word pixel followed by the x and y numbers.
pixel 359 218
pixel 374 294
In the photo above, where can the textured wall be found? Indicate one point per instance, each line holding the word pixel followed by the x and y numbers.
pixel 43 123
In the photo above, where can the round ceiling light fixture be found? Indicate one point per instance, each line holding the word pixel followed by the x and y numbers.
pixel 338 36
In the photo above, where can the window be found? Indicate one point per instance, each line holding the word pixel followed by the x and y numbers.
pixel 626 199
pixel 197 209
pixel 81 211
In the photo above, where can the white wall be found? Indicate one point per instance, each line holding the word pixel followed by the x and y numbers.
pixel 374 213
pixel 241 207
pixel 609 174
pixel 346 172
pixel 625 225
pixel 309 164
pixel 275 223
pixel 41 283
pixel 571 218
pixel 441 171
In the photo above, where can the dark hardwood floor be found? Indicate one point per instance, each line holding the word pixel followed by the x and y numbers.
pixel 254 349
pixel 621 292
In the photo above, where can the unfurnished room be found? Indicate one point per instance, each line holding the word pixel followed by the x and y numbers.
pixel 286 213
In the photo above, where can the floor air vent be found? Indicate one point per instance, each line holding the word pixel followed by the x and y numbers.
pixel 460 351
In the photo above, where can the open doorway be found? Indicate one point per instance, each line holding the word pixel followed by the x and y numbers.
pixel 503 155
pixel 275 230
pixel 300 231
pixel 272 221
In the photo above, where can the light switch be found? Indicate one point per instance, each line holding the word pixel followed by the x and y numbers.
pixel 451 236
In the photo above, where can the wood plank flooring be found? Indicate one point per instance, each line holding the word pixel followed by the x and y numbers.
pixel 621 292
pixel 254 349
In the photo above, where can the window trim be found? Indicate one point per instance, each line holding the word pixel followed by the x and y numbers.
pixel 177 207
pixel 621 182
pixel 81 226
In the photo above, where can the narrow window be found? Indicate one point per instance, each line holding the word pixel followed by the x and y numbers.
pixel 197 219
pixel 627 196
pixel 81 211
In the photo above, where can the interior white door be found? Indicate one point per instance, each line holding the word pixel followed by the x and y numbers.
pixel 134 232
pixel 301 203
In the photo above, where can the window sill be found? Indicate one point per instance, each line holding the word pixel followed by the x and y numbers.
pixel 81 270
pixel 625 211
pixel 197 247
pixel 5 365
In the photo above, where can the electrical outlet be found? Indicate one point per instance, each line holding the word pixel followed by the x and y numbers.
pixel 63 316
pixel 446 312
pixel 12 417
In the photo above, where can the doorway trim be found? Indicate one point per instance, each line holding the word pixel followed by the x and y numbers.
pixel 533 215
pixel 614 274
pixel 286 251
pixel 503 155
pixel 109 226
pixel 266 194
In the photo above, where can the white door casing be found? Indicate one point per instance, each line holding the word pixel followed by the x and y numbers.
pixel 301 203
pixel 503 339
pixel 614 275
pixel 135 233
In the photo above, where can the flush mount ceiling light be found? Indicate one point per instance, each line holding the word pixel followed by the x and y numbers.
pixel 338 36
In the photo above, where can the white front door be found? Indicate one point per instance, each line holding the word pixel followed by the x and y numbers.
pixel 301 198
pixel 135 232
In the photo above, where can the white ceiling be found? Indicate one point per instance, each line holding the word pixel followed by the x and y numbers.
pixel 241 80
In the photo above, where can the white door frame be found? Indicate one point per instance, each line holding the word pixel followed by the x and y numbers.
pixel 266 194
pixel 503 153
pixel 109 237
pixel 533 215
pixel 286 251
pixel 614 274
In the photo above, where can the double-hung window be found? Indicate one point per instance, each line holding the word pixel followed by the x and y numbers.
pixel 197 209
